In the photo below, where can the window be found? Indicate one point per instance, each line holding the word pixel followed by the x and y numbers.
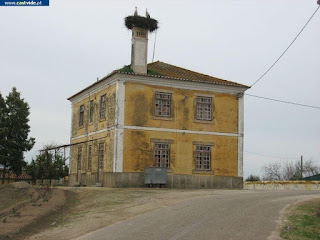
pixel 103 106
pixel 162 155
pixel 162 104
pixel 81 116
pixel 203 157
pixel 204 108
pixel 89 156
pixel 101 154
pixel 79 157
pixel 91 109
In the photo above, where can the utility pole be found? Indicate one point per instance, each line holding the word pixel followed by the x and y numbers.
pixel 302 164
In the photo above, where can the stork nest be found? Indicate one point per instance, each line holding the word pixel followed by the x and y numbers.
pixel 141 22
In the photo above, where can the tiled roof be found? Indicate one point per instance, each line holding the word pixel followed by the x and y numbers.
pixel 165 70
pixel 11 175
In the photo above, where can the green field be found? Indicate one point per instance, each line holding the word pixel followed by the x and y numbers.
pixel 303 222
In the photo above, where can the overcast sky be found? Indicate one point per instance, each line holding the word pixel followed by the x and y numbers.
pixel 50 53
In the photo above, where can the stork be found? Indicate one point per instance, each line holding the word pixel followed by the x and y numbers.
pixel 136 12
pixel 147 14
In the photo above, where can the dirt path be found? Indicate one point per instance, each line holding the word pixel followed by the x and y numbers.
pixel 19 216
pixel 95 208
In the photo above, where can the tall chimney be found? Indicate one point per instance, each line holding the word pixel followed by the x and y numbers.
pixel 139 50
pixel 140 27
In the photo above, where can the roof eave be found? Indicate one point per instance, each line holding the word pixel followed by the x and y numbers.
pixel 183 79
pixel 97 82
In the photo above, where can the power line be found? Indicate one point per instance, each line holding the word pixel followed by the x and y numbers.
pixel 271 156
pixel 286 48
pixel 154 46
pixel 282 101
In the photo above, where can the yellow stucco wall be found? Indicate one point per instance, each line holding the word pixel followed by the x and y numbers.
pixel 138 144
pixel 105 137
pixel 138 152
pixel 139 109
pixel 97 123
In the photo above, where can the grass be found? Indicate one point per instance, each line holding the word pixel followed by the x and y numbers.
pixel 128 69
pixel 303 222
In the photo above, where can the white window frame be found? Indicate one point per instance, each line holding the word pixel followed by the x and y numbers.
pixel 103 106
pixel 161 154
pixel 79 162
pixel 204 108
pixel 90 157
pixel 91 110
pixel 81 116
pixel 101 155
pixel 203 157
pixel 162 106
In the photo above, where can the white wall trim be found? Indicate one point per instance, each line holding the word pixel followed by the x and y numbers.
pixel 180 131
pixel 162 130
pixel 119 121
pixel 120 102
pixel 241 134
pixel 93 133
pixel 118 150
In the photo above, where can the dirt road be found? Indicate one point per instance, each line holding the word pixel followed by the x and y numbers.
pixel 89 208
pixel 224 215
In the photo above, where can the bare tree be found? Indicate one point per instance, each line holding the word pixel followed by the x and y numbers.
pixel 272 171
pixel 289 170
pixel 310 168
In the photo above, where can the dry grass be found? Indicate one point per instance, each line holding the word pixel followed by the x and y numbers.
pixel 10 196
pixel 26 207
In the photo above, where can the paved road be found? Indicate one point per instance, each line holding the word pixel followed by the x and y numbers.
pixel 232 214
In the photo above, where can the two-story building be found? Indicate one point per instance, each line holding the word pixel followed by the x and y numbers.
pixel 160 115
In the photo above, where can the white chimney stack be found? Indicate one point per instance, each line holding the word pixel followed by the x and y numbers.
pixel 139 50
pixel 140 27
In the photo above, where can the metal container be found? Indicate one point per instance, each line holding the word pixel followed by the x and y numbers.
pixel 155 175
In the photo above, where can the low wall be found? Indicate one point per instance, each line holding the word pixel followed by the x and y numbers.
pixel 198 181
pixel 131 179
pixel 119 180
pixel 283 185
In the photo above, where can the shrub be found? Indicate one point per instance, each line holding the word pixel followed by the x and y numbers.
pixel 253 178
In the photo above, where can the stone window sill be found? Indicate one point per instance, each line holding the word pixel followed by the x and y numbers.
pixel 203 121
pixel 202 172
pixel 163 118
pixel 102 119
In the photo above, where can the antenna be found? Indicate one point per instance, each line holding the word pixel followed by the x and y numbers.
pixel 154 46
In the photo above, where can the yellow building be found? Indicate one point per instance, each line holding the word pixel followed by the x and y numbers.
pixel 157 115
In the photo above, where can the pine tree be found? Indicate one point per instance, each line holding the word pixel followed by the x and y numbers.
pixel 3 133
pixel 15 130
